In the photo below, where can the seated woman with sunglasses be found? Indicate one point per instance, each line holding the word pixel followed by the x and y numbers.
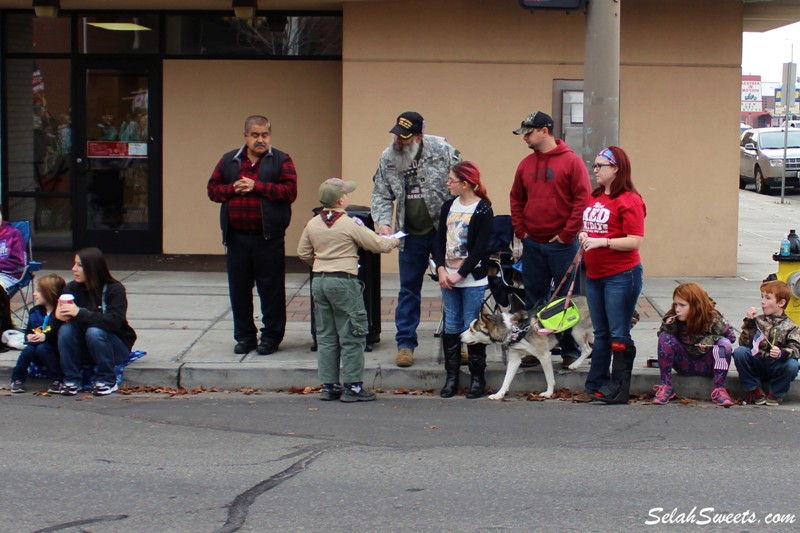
pixel 613 230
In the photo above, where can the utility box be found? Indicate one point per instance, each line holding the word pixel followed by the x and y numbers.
pixel 789 273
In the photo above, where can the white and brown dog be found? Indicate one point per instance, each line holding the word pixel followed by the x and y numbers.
pixel 499 327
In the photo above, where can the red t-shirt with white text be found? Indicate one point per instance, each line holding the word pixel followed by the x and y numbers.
pixel 612 218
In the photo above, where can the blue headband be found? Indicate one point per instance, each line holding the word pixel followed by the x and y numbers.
pixel 608 155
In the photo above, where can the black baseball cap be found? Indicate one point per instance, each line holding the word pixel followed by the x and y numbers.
pixel 408 124
pixel 536 120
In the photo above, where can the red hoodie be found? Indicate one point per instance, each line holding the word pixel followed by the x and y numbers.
pixel 549 194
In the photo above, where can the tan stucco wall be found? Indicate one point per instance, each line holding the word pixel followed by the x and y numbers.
pixel 205 104
pixel 475 69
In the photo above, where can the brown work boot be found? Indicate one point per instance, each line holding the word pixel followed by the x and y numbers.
pixel 405 357
pixel 529 361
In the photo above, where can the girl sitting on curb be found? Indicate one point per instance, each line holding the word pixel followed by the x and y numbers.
pixel 696 340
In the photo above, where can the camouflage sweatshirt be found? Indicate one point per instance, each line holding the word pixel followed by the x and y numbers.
pixel 697 345
pixel 778 330
pixel 390 186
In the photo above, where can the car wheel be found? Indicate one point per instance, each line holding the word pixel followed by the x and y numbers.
pixel 761 187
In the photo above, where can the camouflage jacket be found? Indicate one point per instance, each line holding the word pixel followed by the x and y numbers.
pixel 390 186
pixel 779 330
pixel 697 345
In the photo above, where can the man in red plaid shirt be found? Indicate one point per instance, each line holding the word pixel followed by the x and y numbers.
pixel 256 185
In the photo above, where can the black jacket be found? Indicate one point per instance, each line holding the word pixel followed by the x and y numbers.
pixel 478 236
pixel 110 315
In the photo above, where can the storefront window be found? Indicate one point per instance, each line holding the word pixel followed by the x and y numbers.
pixel 39 125
pixel 118 34
pixel 271 35
pixel 26 33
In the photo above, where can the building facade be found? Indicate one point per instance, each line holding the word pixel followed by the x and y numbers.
pixel 133 107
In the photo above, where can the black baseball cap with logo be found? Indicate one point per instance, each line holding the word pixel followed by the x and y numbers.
pixel 535 121
pixel 408 124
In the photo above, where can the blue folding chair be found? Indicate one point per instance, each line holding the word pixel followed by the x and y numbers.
pixel 25 284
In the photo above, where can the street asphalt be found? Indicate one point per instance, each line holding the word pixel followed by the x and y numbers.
pixel 183 321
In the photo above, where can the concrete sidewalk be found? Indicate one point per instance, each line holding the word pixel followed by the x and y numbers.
pixel 184 324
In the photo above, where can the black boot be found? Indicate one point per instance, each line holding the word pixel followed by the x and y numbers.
pixel 618 390
pixel 477 370
pixel 451 344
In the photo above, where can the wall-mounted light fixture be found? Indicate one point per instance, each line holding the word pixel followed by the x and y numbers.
pixel 245 9
pixel 46 8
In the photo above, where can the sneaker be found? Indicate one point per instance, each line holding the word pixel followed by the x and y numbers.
pixel 330 391
pixel 101 389
pixel 69 389
pixel 356 393
pixel 17 386
pixel 55 387
pixel 664 393
pixel 721 397
pixel 756 397
pixel 773 400
pixel 405 357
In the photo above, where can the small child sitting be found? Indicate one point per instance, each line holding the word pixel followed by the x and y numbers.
pixel 696 340
pixel 41 335
pixel 769 347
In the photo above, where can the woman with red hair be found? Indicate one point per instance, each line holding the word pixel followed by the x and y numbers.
pixel 613 231
pixel 461 257
pixel 695 340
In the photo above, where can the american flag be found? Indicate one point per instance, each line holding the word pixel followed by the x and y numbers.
pixel 757 341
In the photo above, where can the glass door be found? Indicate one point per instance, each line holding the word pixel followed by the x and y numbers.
pixel 118 156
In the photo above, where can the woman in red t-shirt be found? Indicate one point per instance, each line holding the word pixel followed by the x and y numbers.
pixel 613 230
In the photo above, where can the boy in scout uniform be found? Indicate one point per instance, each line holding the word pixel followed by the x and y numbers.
pixel 330 244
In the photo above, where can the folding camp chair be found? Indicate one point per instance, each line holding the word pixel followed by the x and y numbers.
pixel 24 287
pixel 505 279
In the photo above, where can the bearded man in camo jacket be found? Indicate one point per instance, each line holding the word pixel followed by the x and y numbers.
pixel 411 181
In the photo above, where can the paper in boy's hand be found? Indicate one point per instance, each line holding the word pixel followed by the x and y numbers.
pixel 398 235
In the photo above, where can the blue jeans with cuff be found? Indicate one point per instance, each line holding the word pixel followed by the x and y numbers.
pixel 102 348
pixel 753 370
pixel 612 301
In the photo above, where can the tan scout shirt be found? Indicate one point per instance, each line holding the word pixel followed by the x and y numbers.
pixel 335 249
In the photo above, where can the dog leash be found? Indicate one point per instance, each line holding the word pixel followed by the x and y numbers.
pixel 571 270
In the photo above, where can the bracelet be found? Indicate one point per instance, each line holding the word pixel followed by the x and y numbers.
pixel 608 242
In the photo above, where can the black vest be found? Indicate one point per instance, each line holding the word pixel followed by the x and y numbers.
pixel 275 215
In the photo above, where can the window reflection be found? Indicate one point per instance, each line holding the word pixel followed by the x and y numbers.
pixel 271 35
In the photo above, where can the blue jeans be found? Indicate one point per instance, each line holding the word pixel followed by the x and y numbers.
pixel 414 259
pixel 77 347
pixel 543 262
pixel 461 305
pixel 612 301
pixel 44 354
pixel 754 370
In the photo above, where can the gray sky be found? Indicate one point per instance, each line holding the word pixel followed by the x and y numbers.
pixel 765 53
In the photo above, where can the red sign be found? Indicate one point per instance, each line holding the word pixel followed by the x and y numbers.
pixel 116 149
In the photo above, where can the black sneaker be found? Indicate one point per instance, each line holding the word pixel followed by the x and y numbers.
pixel 55 387
pixel 330 392
pixel 69 389
pixel 17 386
pixel 354 392
pixel 244 347
pixel 773 400
pixel 266 348
pixel 101 389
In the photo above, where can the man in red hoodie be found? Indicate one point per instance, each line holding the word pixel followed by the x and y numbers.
pixel 550 191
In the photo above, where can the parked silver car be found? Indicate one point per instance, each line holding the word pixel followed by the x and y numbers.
pixel 761 158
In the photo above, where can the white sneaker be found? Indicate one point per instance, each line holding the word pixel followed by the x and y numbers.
pixel 101 389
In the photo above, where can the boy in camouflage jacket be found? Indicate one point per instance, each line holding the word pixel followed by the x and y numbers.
pixel 769 347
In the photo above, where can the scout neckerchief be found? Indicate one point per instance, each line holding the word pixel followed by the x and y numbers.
pixel 330 217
